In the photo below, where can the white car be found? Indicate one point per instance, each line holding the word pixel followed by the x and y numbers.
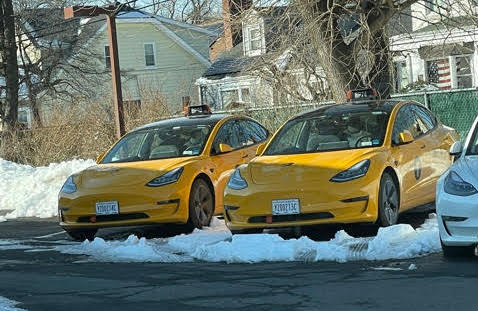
pixel 457 198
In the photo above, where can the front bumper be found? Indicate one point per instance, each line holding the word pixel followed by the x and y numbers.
pixel 457 219
pixel 150 206
pixel 351 202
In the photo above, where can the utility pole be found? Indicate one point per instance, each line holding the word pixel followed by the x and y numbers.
pixel 110 12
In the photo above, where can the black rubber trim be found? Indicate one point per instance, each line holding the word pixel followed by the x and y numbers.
pixel 117 217
pixel 356 199
pixel 168 202
pixel 446 228
pixel 230 207
pixel 286 218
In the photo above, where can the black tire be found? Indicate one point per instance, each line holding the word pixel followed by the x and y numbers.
pixel 247 231
pixel 201 204
pixel 456 251
pixel 388 201
pixel 83 234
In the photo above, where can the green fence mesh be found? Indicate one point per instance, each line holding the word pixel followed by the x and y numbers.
pixel 457 108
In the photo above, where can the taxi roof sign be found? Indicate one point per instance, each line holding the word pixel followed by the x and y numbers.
pixel 361 95
pixel 197 110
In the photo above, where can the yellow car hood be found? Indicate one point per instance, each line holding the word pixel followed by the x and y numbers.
pixel 304 167
pixel 128 173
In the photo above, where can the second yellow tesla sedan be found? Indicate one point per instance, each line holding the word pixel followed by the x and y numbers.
pixel 171 171
pixel 364 161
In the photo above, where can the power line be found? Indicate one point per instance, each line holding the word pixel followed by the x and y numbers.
pixel 87 24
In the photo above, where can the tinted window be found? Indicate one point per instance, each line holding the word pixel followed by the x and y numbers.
pixel 227 134
pixel 407 120
pixel 426 116
pixel 331 130
pixel 473 146
pixel 253 132
pixel 159 143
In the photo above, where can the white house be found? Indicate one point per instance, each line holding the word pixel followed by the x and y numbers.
pixel 441 51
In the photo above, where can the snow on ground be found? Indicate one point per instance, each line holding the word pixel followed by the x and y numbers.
pixel 216 244
pixel 8 305
pixel 33 191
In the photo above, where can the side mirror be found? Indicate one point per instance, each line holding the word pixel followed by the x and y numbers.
pixel 260 148
pixel 405 137
pixel 99 158
pixel 456 149
pixel 224 148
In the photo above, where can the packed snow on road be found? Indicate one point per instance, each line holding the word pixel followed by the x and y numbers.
pixel 8 305
pixel 33 192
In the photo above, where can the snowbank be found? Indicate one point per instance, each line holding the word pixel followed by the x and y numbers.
pixel 216 244
pixel 33 191
pixel 8 305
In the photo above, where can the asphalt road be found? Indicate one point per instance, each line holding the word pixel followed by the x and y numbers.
pixel 49 280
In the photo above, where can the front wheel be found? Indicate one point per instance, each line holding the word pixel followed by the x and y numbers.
pixel 83 234
pixel 201 204
pixel 388 201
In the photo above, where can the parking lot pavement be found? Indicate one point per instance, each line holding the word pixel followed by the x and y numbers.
pixel 48 280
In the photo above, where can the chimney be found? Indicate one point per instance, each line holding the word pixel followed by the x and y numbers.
pixel 231 10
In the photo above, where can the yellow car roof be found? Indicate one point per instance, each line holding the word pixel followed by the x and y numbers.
pixel 210 119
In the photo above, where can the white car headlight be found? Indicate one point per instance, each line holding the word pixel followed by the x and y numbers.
pixel 167 178
pixel 455 185
pixel 69 186
pixel 236 181
pixel 356 171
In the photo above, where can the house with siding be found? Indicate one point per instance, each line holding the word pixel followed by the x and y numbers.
pixel 440 53
pixel 158 57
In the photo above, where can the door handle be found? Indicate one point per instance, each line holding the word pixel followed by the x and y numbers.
pixel 245 156
pixel 423 146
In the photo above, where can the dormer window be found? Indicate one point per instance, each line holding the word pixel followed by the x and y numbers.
pixel 255 39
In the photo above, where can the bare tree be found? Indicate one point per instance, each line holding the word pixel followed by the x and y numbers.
pixel 191 11
pixel 337 45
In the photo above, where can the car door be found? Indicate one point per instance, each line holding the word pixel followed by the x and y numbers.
pixel 223 164
pixel 408 157
pixel 440 141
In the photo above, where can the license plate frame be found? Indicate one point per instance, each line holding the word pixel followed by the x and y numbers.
pixel 285 207
pixel 107 208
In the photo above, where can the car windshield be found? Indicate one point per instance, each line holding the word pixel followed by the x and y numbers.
pixel 159 143
pixel 331 129
pixel 473 146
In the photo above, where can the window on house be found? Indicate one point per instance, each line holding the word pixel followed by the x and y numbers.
pixel 229 97
pixel 438 72
pixel 255 39
pixel 245 95
pixel 433 6
pixel 107 57
pixel 463 72
pixel 401 75
pixel 149 54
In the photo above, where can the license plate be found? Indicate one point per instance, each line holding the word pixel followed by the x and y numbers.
pixel 107 208
pixel 285 207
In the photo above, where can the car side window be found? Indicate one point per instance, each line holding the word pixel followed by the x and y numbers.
pixel 253 133
pixel 407 120
pixel 227 134
pixel 426 116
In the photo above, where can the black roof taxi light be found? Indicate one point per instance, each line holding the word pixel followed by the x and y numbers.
pixel 200 110
pixel 361 95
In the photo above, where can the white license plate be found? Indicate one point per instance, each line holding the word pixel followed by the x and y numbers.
pixel 285 207
pixel 107 208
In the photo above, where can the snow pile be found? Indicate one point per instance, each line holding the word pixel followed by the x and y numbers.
pixel 8 305
pixel 33 191
pixel 216 244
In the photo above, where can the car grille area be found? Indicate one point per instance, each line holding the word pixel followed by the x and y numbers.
pixel 287 218
pixel 106 218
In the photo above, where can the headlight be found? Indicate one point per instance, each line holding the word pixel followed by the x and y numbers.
pixel 168 178
pixel 236 181
pixel 69 186
pixel 356 171
pixel 455 185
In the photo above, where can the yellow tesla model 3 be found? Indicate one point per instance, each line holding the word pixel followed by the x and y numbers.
pixel 364 161
pixel 171 171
